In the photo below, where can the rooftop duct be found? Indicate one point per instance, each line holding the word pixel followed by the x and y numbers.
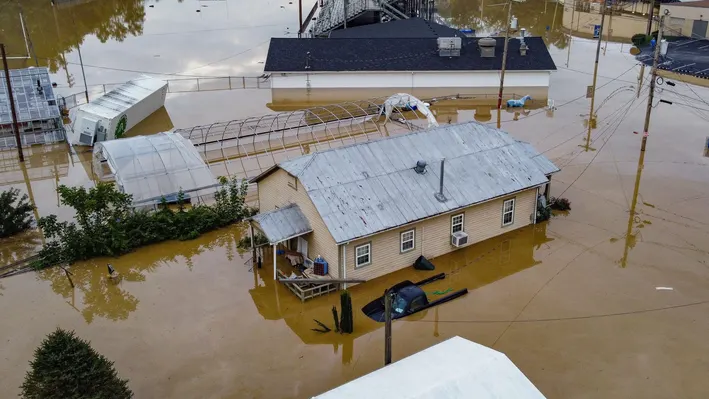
pixel 449 46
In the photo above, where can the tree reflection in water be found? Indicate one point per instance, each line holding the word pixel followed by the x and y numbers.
pixel 487 17
pixel 56 30
pixel 96 295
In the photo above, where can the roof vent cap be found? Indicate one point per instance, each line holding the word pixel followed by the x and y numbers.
pixel 420 167
pixel 487 47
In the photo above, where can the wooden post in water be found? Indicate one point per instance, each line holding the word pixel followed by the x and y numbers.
pixel 387 327
pixel 10 95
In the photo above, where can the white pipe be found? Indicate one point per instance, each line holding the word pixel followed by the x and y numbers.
pixel 24 34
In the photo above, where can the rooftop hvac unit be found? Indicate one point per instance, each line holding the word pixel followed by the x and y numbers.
pixel 449 46
pixel 459 239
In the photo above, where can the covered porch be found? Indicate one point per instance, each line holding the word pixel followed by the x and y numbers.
pixel 287 232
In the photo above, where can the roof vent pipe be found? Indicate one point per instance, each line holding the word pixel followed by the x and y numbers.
pixel 420 167
pixel 487 47
pixel 439 195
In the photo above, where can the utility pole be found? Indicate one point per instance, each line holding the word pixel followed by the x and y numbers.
pixel 591 117
pixel 650 16
pixel 653 77
pixel 11 96
pixel 387 327
pixel 646 127
pixel 300 18
pixel 504 63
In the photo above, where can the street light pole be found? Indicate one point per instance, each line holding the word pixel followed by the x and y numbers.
pixel 11 97
pixel 591 117
pixel 504 64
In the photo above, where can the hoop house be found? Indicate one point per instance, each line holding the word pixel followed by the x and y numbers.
pixel 152 167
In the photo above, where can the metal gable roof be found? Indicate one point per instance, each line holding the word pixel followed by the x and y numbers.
pixel 370 187
pixel 283 223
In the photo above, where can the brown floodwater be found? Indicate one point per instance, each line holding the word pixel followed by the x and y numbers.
pixel 573 302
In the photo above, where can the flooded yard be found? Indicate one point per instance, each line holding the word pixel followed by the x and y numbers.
pixel 597 302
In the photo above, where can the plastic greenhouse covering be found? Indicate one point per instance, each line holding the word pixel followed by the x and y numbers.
pixel 155 166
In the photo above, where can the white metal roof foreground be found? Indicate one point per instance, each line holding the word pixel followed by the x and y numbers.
pixel 369 187
pixel 123 97
pixel 453 369
pixel 150 167
pixel 283 223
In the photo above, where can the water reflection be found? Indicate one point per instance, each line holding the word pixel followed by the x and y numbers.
pixel 56 30
pixel 90 291
pixel 539 17
pixel 473 267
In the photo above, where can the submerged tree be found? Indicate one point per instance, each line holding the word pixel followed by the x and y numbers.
pixel 66 366
pixel 15 216
pixel 107 225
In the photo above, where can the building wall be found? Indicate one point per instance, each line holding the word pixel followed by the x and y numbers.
pixel 346 80
pixel 481 222
pixel 274 191
pixel 681 19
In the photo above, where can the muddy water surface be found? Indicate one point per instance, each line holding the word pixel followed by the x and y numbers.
pixel 573 302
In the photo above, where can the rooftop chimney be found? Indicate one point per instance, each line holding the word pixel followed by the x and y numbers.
pixel 487 47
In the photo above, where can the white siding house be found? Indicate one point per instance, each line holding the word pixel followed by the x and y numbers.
pixel 414 56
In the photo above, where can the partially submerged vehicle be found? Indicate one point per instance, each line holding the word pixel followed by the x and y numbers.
pixel 408 298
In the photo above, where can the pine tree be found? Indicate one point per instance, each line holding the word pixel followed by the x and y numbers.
pixel 15 216
pixel 66 366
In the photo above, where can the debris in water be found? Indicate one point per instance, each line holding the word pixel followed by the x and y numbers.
pixel 324 329
pixel 664 288
pixel 112 273
pixel 648 204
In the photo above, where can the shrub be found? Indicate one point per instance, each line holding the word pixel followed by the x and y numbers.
pixel 66 366
pixel 543 213
pixel 15 216
pixel 107 225
pixel 560 204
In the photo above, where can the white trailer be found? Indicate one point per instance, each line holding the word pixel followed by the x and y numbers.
pixel 116 112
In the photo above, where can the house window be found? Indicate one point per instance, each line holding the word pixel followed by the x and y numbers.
pixel 293 182
pixel 457 223
pixel 363 255
pixel 408 240
pixel 508 212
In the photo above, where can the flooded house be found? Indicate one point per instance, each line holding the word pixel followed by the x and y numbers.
pixel 414 56
pixel 371 208
pixel 37 110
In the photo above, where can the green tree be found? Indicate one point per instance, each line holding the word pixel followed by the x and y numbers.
pixel 15 216
pixel 107 225
pixel 66 366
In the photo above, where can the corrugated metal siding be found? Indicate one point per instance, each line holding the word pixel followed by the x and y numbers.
pixel 274 191
pixel 482 222
pixel 370 187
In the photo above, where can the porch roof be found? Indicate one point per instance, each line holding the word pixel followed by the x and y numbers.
pixel 283 223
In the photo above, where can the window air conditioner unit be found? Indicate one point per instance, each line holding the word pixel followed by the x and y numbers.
pixel 459 238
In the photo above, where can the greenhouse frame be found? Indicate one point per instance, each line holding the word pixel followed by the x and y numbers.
pixel 154 167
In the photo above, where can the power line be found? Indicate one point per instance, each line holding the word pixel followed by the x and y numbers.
pixel 597 152
pixel 542 320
